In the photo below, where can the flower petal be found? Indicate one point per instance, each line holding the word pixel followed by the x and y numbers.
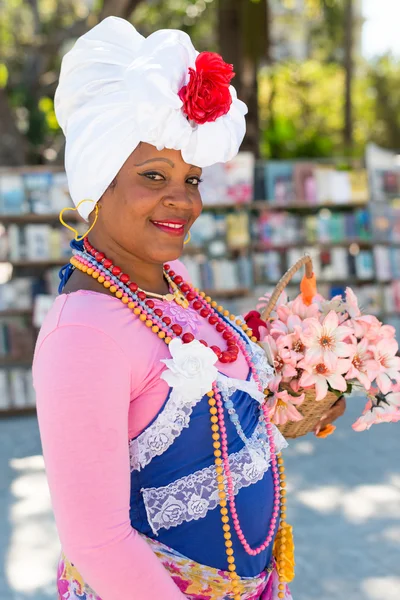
pixel 331 322
pixel 321 388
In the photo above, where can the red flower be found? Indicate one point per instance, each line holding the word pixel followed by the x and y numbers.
pixel 254 321
pixel 207 97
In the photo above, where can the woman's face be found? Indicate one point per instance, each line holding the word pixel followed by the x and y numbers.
pixel 152 205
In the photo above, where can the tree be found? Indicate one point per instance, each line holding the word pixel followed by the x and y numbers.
pixel 244 41
pixel 384 76
pixel 348 67
pixel 36 33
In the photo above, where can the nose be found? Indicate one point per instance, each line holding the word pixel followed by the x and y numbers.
pixel 178 196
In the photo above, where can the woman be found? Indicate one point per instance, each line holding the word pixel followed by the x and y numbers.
pixel 159 454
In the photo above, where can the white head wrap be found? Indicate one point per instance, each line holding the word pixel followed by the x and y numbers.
pixel 118 89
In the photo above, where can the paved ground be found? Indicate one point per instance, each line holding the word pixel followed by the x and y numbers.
pixel 344 504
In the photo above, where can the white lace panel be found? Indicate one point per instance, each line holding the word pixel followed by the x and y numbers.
pixel 264 369
pixel 259 358
pixel 175 416
pixel 191 497
pixel 229 386
pixel 159 436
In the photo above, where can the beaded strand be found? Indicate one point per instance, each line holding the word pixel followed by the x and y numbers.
pixel 136 301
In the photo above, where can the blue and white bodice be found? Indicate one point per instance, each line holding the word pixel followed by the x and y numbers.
pixel 174 493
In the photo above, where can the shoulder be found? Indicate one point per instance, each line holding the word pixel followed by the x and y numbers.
pixel 97 320
pixel 86 309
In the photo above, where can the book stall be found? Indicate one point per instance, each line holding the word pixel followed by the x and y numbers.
pixel 259 218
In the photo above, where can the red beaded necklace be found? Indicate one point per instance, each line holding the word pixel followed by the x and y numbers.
pixel 231 352
pixel 102 269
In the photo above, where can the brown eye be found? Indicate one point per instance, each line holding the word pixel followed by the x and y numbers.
pixel 153 175
pixel 194 180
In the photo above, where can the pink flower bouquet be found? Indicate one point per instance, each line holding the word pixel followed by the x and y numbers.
pixel 331 347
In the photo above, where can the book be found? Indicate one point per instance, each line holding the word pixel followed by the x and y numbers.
pixel 364 261
pixel 229 183
pixel 12 194
pixel 16 243
pixel 279 186
pixel 323 178
pixel 239 177
pixel 59 193
pixel 4 390
pixel 382 263
pixel 305 184
pixel 30 392
pixel 37 186
pixel 38 240
pixel 359 188
pixel 42 305
pixel 340 187
pixel 237 230
pixel 18 391
pixel 213 186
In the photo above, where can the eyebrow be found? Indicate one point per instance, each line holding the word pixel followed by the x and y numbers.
pixel 155 160
pixel 166 160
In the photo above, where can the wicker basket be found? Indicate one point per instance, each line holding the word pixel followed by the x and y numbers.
pixel 311 409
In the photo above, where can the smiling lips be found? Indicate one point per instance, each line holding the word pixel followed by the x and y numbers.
pixel 175 228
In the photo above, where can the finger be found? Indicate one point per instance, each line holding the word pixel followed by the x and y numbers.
pixel 320 424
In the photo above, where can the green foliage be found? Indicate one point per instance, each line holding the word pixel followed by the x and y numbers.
pixel 301 105
pixel 3 75
pixel 301 110
pixel 195 17
pixel 384 75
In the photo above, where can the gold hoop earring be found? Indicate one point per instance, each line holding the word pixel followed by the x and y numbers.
pixel 75 231
pixel 188 238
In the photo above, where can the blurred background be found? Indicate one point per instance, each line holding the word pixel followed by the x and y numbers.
pixel 319 172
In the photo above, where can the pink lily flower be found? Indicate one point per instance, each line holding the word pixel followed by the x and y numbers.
pixel 336 304
pixel 359 359
pixel 352 303
pixel 324 341
pixel 371 328
pixel 283 361
pixel 263 301
pixel 282 407
pixel 385 365
pixel 379 409
pixel 320 374
pixel 302 310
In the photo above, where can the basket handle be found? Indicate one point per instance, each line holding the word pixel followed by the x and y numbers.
pixel 305 261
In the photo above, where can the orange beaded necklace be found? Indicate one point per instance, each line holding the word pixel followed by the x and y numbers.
pixel 283 546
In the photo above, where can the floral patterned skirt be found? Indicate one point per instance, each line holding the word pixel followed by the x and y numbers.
pixel 196 581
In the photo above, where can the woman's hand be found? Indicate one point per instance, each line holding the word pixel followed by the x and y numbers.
pixel 333 413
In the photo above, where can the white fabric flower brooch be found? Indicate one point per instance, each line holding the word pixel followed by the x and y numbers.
pixel 191 370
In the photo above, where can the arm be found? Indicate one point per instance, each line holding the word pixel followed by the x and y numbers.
pixel 82 382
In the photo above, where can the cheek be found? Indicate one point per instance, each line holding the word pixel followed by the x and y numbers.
pixel 197 205
pixel 136 207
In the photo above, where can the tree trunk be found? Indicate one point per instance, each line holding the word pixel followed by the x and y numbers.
pixel 119 8
pixel 13 148
pixel 244 41
pixel 348 66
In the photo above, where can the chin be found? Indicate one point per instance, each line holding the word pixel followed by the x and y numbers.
pixel 167 255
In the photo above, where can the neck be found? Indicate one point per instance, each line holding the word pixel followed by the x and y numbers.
pixel 148 276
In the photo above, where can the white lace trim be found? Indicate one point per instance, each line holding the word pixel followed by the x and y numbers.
pixel 264 369
pixel 229 386
pixel 175 416
pixel 191 497
pixel 159 436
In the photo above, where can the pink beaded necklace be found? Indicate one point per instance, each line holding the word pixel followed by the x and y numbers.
pixel 95 264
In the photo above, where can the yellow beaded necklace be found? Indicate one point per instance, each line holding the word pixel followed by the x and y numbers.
pixel 283 547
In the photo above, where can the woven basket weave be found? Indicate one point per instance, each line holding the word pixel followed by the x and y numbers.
pixel 311 409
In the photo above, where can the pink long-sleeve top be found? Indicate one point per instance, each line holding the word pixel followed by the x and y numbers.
pixel 97 379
